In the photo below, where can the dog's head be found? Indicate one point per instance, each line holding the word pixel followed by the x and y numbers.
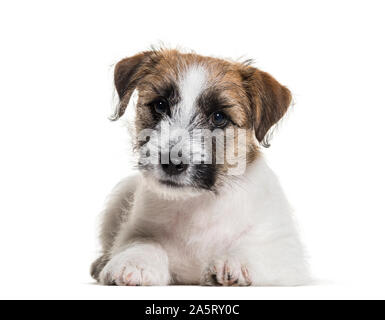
pixel 197 118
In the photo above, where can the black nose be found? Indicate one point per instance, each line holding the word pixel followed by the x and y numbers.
pixel 173 169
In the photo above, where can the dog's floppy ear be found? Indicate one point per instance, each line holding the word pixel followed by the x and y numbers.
pixel 128 73
pixel 269 100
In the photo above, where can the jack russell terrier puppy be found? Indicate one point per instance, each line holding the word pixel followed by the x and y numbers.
pixel 205 209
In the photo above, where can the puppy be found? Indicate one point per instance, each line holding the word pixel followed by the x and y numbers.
pixel 203 209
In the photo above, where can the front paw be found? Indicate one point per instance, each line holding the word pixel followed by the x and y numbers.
pixel 225 272
pixel 127 269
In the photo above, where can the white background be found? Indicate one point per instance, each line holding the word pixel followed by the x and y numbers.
pixel 60 156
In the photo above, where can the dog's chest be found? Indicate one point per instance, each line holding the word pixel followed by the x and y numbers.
pixel 194 233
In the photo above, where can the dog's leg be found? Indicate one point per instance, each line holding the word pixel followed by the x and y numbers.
pixel 117 211
pixel 98 266
pixel 227 270
pixel 139 264
pixel 278 262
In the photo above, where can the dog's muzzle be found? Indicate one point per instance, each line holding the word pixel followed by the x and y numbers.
pixel 171 166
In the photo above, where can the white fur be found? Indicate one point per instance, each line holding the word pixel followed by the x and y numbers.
pixel 139 264
pixel 245 235
pixel 191 85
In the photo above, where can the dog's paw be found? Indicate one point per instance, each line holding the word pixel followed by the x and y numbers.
pixel 226 272
pixel 126 269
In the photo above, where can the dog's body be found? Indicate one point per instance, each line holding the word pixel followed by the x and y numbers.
pixel 165 226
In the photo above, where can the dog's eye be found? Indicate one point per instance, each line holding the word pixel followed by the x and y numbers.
pixel 219 119
pixel 161 106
